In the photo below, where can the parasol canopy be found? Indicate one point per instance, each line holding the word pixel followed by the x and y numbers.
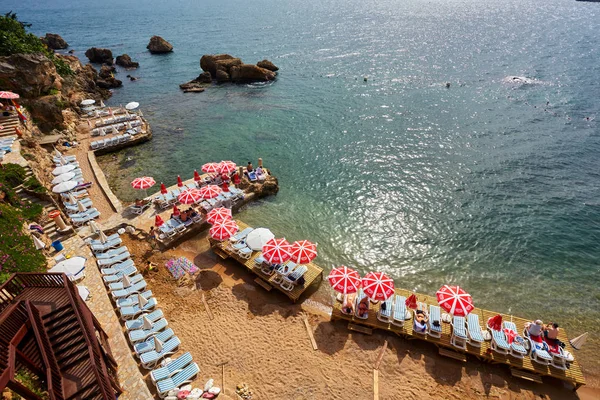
pixel 579 341
pixel 303 251
pixel 163 188
pixel 67 176
pixel 158 221
pixel 63 169
pixel 176 211
pixel 64 187
pixel 495 322
pixel 344 280
pixel 257 239
pixel 378 286
pixel 146 323
pixel 70 267
pixel 102 236
pixel 132 106
pixel 210 167
pixel 223 230
pixel 218 214
pixel 276 251
pixel 411 301
pixel 179 181
pixel 144 182
pixel 196 176
pixel 88 102
pixel 455 300
pixel 8 95
pixel 39 245
pixel 210 191
pixel 189 196
pixel 226 167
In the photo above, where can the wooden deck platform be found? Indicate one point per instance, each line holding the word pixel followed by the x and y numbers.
pixel 520 367
pixel 313 274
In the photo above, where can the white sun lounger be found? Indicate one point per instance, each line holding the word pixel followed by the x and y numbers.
pixel 385 316
pixel 361 295
pixel 538 351
pixel 148 344
pixel 240 235
pixel 399 315
pixel 110 244
pixel 434 328
pixel 289 282
pixel 517 347
pixel 107 262
pixel 172 368
pixel 151 358
pixel 111 253
pixel 109 237
pixel 116 268
pixel 499 343
pixel 135 288
pixel 184 376
pixel 459 333
pixel 137 335
pixel 133 299
pixel 119 285
pixel 135 310
pixel 137 323
pixel 475 337
pixel 116 277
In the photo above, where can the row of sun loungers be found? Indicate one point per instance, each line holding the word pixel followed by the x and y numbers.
pixel 117 120
pixel 144 322
pixel 6 145
pixel 113 141
pixel 115 128
pixel 224 199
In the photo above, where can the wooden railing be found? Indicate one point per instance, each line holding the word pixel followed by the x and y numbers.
pixel 17 283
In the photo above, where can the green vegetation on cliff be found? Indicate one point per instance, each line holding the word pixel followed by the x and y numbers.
pixel 14 39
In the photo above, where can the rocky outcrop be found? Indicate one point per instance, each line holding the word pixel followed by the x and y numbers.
pixel 204 77
pixel 212 63
pixel 54 41
pixel 107 71
pixel 222 76
pixel 194 86
pixel 47 112
pixel 266 64
pixel 99 56
pixel 159 45
pixel 268 187
pixel 29 75
pixel 250 73
pixel 109 83
pixel 126 62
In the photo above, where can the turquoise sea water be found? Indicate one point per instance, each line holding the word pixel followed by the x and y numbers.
pixel 491 185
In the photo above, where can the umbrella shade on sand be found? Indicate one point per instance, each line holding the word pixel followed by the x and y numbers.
pixel 67 176
pixel 258 238
pixel 378 286
pixel 132 106
pixel 344 280
pixel 276 251
pixel 210 191
pixel 219 214
pixel 226 167
pixel 189 196
pixel 63 169
pixel 579 341
pixel 210 167
pixel 455 300
pixel 88 102
pixel 71 266
pixel 64 187
pixel 303 251
pixel 223 230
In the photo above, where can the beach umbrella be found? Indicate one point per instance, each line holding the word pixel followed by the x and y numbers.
pixel 64 187
pixel 145 182
pixel 8 95
pixel 163 188
pixel 226 167
pixel 71 266
pixel 102 104
pixel 455 300
pixel 67 176
pixel 495 322
pixel 63 161
pixel 578 341
pixel 196 176
pixel 218 214
pixel 39 245
pixel 378 286
pixel 92 224
pixel 344 280
pixel 303 251
pixel 225 187
pixel 146 323
pixel 80 207
pixel 88 102
pixel 57 153
pixel 411 301
pixel 63 169
pixel 189 196
pixel 176 211
pixel 158 221
pixel 210 191
pixel 72 199
pixel 210 167
pixel 258 238
pixel 103 238
pixel 126 281
pixel 276 251
pixel 142 301
pixel 179 181
pixel 158 345
pixel 223 230
pixel 132 106
pixel 84 292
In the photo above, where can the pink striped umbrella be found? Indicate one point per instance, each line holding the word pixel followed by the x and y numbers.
pixel 210 191
pixel 223 230
pixel 8 95
pixel 455 300
pixel 276 251
pixel 227 167
pixel 344 280
pixel 145 182
pixel 210 167
pixel 189 196
pixel 378 286
pixel 218 214
pixel 303 251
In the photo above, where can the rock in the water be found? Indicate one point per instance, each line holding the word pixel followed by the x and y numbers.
pixel 222 76
pixel 30 75
pixel 269 187
pixel 193 86
pixel 107 71
pixel 251 73
pixel 109 83
pixel 194 90
pixel 99 56
pixel 54 41
pixel 126 62
pixel 204 77
pixel 212 62
pixel 159 45
pixel 266 64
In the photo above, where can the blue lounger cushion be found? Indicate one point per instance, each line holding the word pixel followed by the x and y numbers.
pixel 174 366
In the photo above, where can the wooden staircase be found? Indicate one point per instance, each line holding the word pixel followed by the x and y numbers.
pixel 9 124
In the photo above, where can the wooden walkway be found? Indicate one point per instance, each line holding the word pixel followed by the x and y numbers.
pixel 523 368
pixel 314 272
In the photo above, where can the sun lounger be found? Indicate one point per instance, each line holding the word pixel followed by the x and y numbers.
pixel 435 322
pixel 167 231
pixel 475 337
pixel 135 310
pixel 119 274
pixel 110 244
pixel 538 351
pixel 178 226
pixel 74 210
pixel 459 333
pixel 517 347
pixel 80 220
pixel 499 343
pixel 148 344
pixel 133 299
pixel 75 193
pixel 198 218
pixel 140 209
pixel 172 368
pixel 399 314
pixel 361 295
pixel 385 316
pixel 240 235
pixel 176 192
pixel 135 288
pixel 245 252
pixel 170 198
pixel 83 213
pixel 151 358
pixel 283 270
pixel 111 253
pixel 137 323
pixel 291 280
pixel 87 202
pixel 116 268
pixel 184 376
pixel 119 285
pixel 137 335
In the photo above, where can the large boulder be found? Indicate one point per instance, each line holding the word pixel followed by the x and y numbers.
pixel 212 62
pixel 250 73
pixel 29 75
pixel 204 77
pixel 266 64
pixel 107 71
pixel 108 83
pixel 47 112
pixel 159 45
pixel 54 41
pixel 126 62
pixel 222 76
pixel 99 56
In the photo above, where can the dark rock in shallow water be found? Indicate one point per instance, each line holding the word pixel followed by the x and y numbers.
pixel 107 71
pixel 222 76
pixel 126 62
pixel 251 73
pixel 159 45
pixel 107 79
pixel 99 56
pixel 213 62
pixel 54 41
pixel 204 77
pixel 266 64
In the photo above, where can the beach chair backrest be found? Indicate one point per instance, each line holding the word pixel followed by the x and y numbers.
pixel 474 327
pixel 186 374
pixel 458 326
pixel 400 308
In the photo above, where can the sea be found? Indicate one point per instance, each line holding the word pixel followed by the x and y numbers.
pixel 492 183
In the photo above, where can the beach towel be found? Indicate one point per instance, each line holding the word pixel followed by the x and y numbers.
pixel 510 335
pixel 179 266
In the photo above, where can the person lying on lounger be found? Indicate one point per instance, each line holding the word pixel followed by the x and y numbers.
pixel 421 319
pixel 535 329
pixel 348 304
pixel 363 307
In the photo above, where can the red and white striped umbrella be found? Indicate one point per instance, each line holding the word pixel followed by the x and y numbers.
pixel 227 167
pixel 210 167
pixel 378 286
pixel 344 280
pixel 276 251
pixel 218 214
pixel 303 251
pixel 455 300
pixel 210 191
pixel 8 95
pixel 145 182
pixel 223 230
pixel 189 196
